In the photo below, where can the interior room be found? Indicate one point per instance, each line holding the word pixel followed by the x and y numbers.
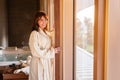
pixel 85 30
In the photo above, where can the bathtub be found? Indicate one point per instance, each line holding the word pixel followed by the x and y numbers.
pixel 8 57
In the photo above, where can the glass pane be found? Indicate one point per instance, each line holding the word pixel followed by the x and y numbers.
pixel 84 39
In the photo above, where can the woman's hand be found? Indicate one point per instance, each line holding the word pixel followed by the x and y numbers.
pixel 57 50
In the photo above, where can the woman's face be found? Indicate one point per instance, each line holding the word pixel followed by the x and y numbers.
pixel 42 22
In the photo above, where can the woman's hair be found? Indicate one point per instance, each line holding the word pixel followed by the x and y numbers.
pixel 37 16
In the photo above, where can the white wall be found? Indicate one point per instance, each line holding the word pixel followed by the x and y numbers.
pixel 114 40
pixel 67 39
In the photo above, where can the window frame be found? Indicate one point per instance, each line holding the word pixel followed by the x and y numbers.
pixel 67 14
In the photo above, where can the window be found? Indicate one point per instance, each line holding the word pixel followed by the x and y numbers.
pixel 84 39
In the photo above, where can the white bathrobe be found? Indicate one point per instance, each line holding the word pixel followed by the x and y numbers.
pixel 43 57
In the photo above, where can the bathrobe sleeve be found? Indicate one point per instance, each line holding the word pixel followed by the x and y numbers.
pixel 36 50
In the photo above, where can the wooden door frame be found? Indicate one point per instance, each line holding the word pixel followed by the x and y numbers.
pixel 58 39
pixel 100 39
pixel 64 13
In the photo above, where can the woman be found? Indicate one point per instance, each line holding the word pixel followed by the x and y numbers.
pixel 42 65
